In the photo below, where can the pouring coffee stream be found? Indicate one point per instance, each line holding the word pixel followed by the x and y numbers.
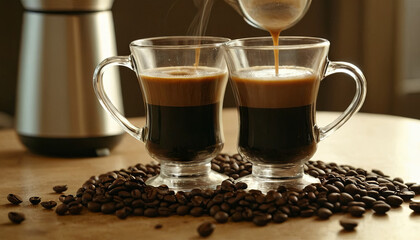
pixel 273 16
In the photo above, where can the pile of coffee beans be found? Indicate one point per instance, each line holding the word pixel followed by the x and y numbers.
pixel 342 188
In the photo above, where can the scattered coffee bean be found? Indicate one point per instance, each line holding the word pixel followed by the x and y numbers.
pixel 35 200
pixel 158 226
pixel 94 206
pixel 415 206
pixel 280 217
pixel 415 188
pixel 16 217
pixel 206 229
pixel 394 200
pixel 356 211
pixel 122 213
pixel 61 209
pixel 221 217
pixel 261 219
pixel 49 204
pixel 14 199
pixel 60 188
pixel 381 208
pixel 108 208
pixel 75 209
pixel 348 224
pixel 324 213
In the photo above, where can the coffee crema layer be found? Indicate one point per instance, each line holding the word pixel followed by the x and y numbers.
pixel 183 86
pixel 261 87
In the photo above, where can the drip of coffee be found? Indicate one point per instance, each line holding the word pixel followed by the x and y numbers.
pixel 184 105
pixel 277 113
pixel 273 16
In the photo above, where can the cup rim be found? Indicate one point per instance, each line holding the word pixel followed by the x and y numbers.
pixel 289 42
pixel 151 42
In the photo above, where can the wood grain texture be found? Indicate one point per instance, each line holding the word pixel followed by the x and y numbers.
pixel 389 143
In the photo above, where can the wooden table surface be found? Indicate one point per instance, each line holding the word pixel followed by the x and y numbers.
pixel 369 141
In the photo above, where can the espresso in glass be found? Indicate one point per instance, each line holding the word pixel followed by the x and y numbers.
pixel 184 110
pixel 277 113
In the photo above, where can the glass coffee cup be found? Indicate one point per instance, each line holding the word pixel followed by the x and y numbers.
pixel 276 88
pixel 183 81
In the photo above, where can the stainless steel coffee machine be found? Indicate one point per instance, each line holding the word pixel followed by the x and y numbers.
pixel 57 111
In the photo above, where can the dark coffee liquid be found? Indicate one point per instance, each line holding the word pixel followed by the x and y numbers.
pixel 184 133
pixel 277 122
pixel 272 135
pixel 183 112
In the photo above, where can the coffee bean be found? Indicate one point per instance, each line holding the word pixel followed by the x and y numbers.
pixel 356 211
pixel 75 209
pixel 221 217
pixel 351 189
pixel 122 213
pixel 94 206
pixel 49 204
pixel 16 217
pixel 368 201
pixel 151 212
pixel 406 195
pixel 381 208
pixel 35 200
pixel 237 217
pixel 345 198
pixel 61 209
pixel 60 188
pixel 138 212
pixel 14 199
pixel 196 211
pixel 307 213
pixel 415 206
pixel 108 208
pixel 206 229
pixel 394 200
pixel 415 188
pixel 279 217
pixel 348 224
pixel 158 226
pixel 324 213
pixel 262 219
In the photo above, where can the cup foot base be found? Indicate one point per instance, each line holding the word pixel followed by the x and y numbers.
pixel 267 184
pixel 186 183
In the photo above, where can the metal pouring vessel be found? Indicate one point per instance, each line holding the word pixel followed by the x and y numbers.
pixel 271 15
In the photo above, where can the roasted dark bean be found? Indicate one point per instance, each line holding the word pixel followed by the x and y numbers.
pixel 61 209
pixel 75 209
pixel 324 213
pixel 49 204
pixel 415 206
pixel 221 217
pixel 14 199
pixel 16 217
pixel 35 200
pixel 394 201
pixel 108 208
pixel 356 211
pixel 381 208
pixel 348 224
pixel 262 219
pixel 206 229
pixel 60 188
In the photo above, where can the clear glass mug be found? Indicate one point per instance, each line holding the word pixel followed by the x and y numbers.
pixel 278 130
pixel 183 81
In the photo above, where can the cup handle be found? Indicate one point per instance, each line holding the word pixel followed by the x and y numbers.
pixel 356 103
pixel 98 86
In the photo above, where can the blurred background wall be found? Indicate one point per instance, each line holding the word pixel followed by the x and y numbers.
pixel 379 36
